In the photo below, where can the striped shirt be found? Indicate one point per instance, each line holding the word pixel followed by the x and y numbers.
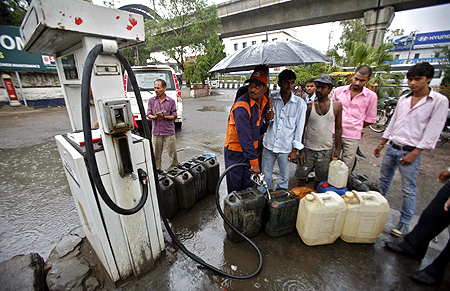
pixel 286 129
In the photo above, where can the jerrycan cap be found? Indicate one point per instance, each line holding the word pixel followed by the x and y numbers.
pixel 232 198
pixel 166 182
pixel 349 194
pixel 185 176
pixel 309 197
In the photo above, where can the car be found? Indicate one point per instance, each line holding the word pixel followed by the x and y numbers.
pixel 145 77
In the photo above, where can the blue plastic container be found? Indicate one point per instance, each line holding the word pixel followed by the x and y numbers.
pixel 210 155
pixel 324 187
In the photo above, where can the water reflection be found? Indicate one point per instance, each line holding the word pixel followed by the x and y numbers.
pixel 36 209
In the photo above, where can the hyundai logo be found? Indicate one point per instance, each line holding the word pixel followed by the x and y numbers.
pixel 423 38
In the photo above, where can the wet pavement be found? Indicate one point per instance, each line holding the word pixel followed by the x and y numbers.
pixel 37 210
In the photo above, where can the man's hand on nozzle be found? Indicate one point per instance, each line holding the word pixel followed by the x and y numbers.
pixel 255 169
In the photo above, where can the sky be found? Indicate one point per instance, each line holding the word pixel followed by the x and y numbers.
pixel 434 18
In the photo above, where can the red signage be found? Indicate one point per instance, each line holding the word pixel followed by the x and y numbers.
pixel 10 88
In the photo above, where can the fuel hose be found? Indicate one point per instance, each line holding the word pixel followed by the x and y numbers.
pixel 89 145
pixel 86 80
pixel 134 84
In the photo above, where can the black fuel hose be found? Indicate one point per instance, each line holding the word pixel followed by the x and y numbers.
pixel 89 146
pixel 134 84
pixel 131 77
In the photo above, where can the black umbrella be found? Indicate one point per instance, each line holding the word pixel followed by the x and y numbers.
pixel 271 54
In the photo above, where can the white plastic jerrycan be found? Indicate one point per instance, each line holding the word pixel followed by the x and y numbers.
pixel 337 173
pixel 367 213
pixel 320 218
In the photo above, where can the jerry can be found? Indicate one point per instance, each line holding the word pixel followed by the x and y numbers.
pixel 244 209
pixel 212 171
pixel 325 187
pixel 199 173
pixel 302 191
pixel 168 195
pixel 280 213
pixel 367 213
pixel 337 173
pixel 320 218
pixel 184 186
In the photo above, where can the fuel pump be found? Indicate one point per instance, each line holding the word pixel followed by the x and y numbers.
pixel 116 201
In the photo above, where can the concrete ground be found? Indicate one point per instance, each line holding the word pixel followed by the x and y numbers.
pixel 288 264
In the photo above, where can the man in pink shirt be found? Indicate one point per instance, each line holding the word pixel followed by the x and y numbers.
pixel 359 109
pixel 162 110
pixel 414 127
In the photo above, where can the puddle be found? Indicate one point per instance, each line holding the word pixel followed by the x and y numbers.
pixel 213 108
pixel 37 208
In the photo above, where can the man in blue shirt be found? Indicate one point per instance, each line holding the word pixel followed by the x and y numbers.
pixel 284 134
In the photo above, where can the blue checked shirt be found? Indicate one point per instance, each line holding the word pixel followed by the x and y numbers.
pixel 286 129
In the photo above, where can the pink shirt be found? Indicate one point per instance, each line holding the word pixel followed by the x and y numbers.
pixel 363 107
pixel 420 126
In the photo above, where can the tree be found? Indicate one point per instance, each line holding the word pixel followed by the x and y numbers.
pixel 12 12
pixel 304 72
pixel 358 53
pixel 137 55
pixel 185 25
pixel 196 71
pixel 445 50
pixel 352 30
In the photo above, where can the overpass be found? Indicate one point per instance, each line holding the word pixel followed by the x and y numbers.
pixel 239 17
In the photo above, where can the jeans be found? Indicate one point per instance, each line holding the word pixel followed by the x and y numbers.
pixel 409 176
pixel 268 162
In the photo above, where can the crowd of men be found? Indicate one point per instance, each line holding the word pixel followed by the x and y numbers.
pixel 313 128
pixel 312 133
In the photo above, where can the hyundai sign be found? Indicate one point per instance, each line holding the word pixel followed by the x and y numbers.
pixel 432 38
pixel 423 40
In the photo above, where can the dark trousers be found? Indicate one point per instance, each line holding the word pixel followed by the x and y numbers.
pixel 239 177
pixel 433 220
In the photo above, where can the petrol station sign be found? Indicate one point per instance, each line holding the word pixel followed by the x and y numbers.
pixel 13 58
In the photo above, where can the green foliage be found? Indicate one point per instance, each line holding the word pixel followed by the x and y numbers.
pixel 137 55
pixel 12 12
pixel 304 72
pixel 190 24
pixel 388 83
pixel 352 30
pixel 196 71
pixel 358 53
pixel 445 50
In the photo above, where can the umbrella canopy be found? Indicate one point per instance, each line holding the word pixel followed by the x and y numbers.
pixel 271 54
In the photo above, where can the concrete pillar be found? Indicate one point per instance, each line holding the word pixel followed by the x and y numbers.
pixel 377 21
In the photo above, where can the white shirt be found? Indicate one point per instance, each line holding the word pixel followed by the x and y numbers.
pixel 421 125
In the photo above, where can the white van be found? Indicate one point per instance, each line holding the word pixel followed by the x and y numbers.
pixel 145 77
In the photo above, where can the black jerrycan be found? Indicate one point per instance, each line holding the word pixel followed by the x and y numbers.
pixel 184 186
pixel 168 195
pixel 244 209
pixel 212 172
pixel 280 214
pixel 199 173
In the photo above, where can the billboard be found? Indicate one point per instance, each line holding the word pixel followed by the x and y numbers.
pixel 432 38
pixel 13 58
pixel 422 40
pixel 421 60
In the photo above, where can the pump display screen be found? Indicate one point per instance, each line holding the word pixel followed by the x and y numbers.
pixel 146 79
pixel 69 67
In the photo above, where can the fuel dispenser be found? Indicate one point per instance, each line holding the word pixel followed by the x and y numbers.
pixel 109 180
